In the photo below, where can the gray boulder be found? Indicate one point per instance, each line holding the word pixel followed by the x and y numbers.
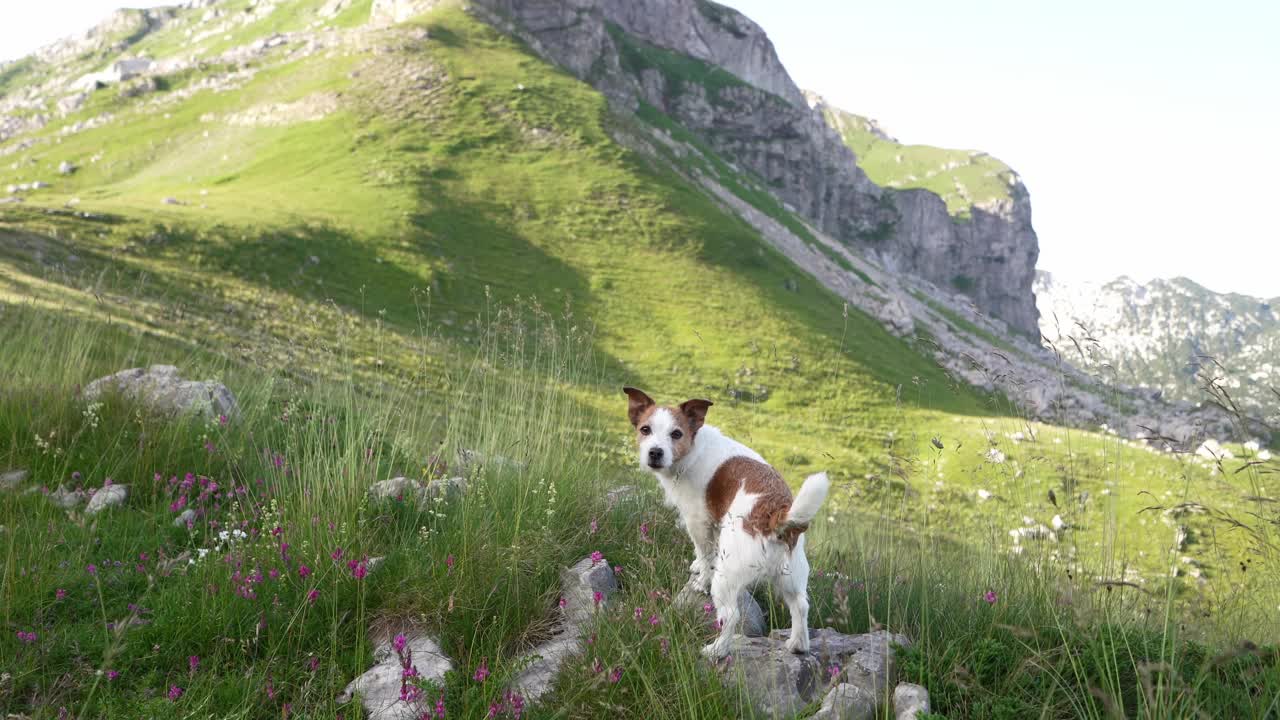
pixel 67 499
pixel 107 496
pixel 780 682
pixel 162 389
pixel 12 479
pixel 579 585
pixel 410 490
pixel 910 701
pixel 379 687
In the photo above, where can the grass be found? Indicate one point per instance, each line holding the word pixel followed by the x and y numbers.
pixel 963 179
pixel 116 627
pixel 345 268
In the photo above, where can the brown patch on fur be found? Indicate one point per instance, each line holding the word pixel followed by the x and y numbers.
pixel 772 502
pixel 639 405
pixel 681 447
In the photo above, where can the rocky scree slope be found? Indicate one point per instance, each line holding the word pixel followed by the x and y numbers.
pixel 714 72
pixel 1168 337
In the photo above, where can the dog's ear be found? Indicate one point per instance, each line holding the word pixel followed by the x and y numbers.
pixel 637 403
pixel 696 411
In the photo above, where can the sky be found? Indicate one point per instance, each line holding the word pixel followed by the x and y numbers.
pixel 1145 131
pixel 1148 133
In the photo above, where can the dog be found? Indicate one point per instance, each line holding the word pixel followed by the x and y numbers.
pixel 737 509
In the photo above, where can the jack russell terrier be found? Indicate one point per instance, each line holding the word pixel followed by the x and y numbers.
pixel 738 510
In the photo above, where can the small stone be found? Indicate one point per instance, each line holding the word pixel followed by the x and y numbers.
pixel 107 496
pixel 171 201
pixel 622 493
pixel 398 488
pixel 67 499
pixel 12 479
pixel 184 520
pixel 66 168
pixel 910 701
pixel 379 687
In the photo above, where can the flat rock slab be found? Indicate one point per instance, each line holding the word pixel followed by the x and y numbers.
pixel 107 496
pixel 579 585
pixel 379 688
pixel 780 683
pixel 162 389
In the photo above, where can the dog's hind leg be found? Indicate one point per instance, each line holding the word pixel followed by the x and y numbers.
pixel 725 588
pixel 793 582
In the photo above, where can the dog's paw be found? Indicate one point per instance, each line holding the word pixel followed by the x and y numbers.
pixel 697 567
pixel 714 651
pixel 798 644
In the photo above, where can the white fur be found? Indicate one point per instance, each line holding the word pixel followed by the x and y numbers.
pixel 728 560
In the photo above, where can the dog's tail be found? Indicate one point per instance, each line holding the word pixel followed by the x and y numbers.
pixel 808 501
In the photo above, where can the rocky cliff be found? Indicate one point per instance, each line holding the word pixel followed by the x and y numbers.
pixel 714 72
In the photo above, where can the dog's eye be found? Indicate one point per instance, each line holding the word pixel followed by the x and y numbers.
pixel 676 434
pixel 644 430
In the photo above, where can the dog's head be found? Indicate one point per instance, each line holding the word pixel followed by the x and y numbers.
pixel 664 434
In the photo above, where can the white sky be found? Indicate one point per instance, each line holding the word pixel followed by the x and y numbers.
pixel 1148 131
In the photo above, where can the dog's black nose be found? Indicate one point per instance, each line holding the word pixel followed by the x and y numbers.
pixel 655 454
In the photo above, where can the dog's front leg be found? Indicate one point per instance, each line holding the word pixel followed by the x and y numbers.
pixel 703 566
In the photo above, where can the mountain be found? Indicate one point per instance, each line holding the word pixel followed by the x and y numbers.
pixel 715 73
pixel 418 236
pixel 1170 336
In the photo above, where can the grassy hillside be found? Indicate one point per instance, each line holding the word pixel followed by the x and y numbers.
pixel 962 178
pixel 432 237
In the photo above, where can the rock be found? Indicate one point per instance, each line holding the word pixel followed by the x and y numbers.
pixel 172 201
pixel 185 520
pixel 780 682
pixel 160 388
pixel 469 460
pixel 397 11
pixel 448 487
pixel 777 135
pixel 753 624
pixel 67 499
pixel 579 585
pixel 66 168
pixel 138 86
pixel 910 701
pixel 379 687
pixel 12 479
pixel 622 493
pixel 398 488
pixel 847 702
pixel 408 490
pixel 896 317
pixel 107 496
